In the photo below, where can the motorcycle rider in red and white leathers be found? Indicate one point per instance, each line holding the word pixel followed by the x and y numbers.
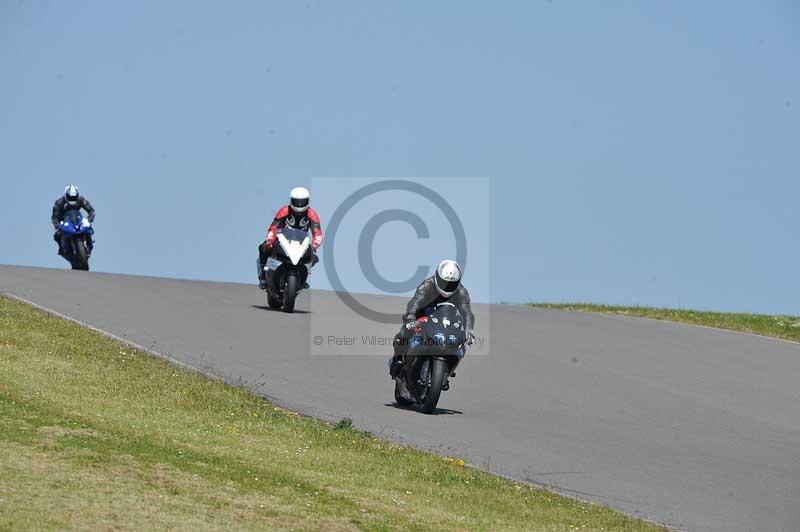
pixel 297 215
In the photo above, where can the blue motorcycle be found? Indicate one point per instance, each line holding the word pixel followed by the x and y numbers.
pixel 76 239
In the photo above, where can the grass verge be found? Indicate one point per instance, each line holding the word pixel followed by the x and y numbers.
pixel 96 435
pixel 785 327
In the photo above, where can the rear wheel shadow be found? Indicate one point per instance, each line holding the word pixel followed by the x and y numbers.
pixel 416 408
pixel 265 307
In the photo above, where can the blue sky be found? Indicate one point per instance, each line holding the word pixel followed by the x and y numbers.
pixel 638 152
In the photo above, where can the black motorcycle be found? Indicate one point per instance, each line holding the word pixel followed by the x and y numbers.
pixel 287 268
pixel 434 352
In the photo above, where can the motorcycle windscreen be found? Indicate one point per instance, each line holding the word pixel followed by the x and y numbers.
pixel 298 235
pixel 445 327
pixel 73 217
pixel 295 243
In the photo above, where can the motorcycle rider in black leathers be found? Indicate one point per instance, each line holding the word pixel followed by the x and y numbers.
pixel 444 285
pixel 70 201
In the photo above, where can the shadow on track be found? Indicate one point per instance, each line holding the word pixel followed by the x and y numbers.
pixel 436 412
pixel 264 307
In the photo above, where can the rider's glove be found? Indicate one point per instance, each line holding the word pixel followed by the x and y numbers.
pixel 316 242
pixel 407 330
pixel 470 338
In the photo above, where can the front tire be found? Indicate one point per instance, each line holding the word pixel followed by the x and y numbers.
pixel 438 374
pixel 80 259
pixel 290 293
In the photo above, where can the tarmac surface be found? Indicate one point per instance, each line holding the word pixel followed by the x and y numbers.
pixel 692 427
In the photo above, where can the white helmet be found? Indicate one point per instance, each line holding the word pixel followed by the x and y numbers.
pixel 298 199
pixel 71 194
pixel 448 277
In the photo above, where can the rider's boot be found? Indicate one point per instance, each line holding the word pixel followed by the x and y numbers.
pixel 262 278
pixel 400 345
pixel 65 249
pixel 395 367
pixel 446 385
pixel 57 238
pixel 314 260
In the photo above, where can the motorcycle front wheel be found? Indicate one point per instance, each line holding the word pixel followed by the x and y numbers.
pixel 290 293
pixel 438 374
pixel 80 259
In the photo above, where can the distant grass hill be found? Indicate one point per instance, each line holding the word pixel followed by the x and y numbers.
pixel 784 327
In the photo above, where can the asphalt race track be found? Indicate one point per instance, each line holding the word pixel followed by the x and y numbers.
pixel 693 427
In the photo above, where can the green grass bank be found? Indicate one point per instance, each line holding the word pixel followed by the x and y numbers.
pixel 96 435
pixel 784 327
